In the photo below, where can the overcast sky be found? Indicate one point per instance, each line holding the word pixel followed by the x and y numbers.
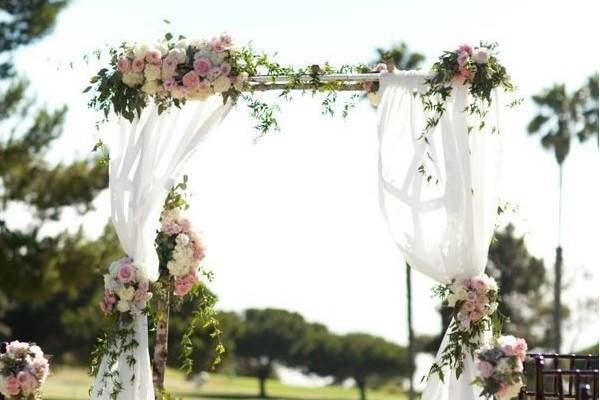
pixel 293 220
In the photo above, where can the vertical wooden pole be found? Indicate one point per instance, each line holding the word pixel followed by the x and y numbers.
pixel 411 336
pixel 162 341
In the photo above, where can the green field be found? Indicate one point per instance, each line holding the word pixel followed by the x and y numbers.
pixel 73 384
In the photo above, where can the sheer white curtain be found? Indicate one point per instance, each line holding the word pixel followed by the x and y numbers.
pixel 443 229
pixel 146 156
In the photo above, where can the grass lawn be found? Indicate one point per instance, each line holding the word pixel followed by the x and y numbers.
pixel 73 384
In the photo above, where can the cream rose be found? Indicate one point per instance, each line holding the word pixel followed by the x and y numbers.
pixel 152 72
pixel 151 87
pixel 221 84
pixel 123 306
pixel 133 79
pixel 126 293
pixel 373 98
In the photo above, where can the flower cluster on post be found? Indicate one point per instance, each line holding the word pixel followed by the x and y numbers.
pixel 23 371
pixel 126 288
pixel 187 250
pixel 372 88
pixel 501 368
pixel 474 305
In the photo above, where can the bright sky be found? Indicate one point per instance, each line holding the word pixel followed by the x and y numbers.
pixel 293 221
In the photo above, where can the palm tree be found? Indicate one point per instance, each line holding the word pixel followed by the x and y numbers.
pixel 403 59
pixel 560 117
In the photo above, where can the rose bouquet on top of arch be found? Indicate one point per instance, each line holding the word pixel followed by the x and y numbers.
pixel 474 306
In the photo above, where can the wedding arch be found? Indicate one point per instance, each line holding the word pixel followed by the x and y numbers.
pixel 439 146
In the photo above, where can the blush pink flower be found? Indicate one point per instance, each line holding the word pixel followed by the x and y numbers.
pixel 169 85
pixel 468 306
pixel 185 224
pixel 217 45
pixel 367 86
pixel 170 63
pixel 475 316
pixel 13 387
pixel 502 390
pixel 154 57
pixel 478 284
pixel 520 349
pixel 191 80
pixel 480 56
pixel 214 73
pixel 225 69
pixel 381 67
pixel 199 250
pixel 126 273
pixel 464 48
pixel 202 66
pixel 138 65
pixel 124 64
pixel 226 41
pixel 182 287
pixel 485 368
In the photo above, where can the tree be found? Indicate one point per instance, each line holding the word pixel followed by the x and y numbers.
pixel 267 337
pixel 561 116
pixel 48 278
pixel 359 356
pixel 403 59
pixel 523 286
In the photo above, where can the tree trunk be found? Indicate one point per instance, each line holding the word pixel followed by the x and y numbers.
pixel 411 336
pixel 362 388
pixel 558 270
pixel 262 378
pixel 162 340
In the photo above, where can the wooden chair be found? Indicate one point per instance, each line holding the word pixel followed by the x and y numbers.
pixel 563 376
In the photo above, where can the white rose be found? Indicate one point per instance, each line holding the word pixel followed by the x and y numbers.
pixel 179 54
pixel 162 47
pixel 152 72
pixel 216 58
pixel 123 306
pixel 140 275
pixel 182 44
pixel 126 293
pixel 182 239
pixel 221 84
pixel 151 87
pixel 451 299
pixel 373 98
pixel 461 293
pixel 140 50
pixel 480 56
pixel 132 79
pixel 492 308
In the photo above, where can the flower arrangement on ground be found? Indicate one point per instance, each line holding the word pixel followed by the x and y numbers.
pixel 23 371
pixel 501 368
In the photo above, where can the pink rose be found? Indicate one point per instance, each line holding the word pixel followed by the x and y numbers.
pixel 154 57
pixel 217 45
pixel 182 287
pixel 169 85
pixel 381 67
pixel 13 386
pixel 138 65
pixel 464 48
pixel 192 277
pixel 202 66
pixel 485 368
pixel 225 69
pixel 140 295
pixel 226 41
pixel 478 284
pixel 475 316
pixel 480 56
pixel 106 306
pixel 40 367
pixel 126 273
pixel 170 63
pixel 190 80
pixel 27 382
pixel 468 306
pixel 199 250
pixel 520 349
pixel 185 224
pixel 124 64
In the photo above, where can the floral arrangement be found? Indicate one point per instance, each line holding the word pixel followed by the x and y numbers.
pixel 474 304
pixel 126 288
pixel 372 88
pixel 170 72
pixel 187 250
pixel 501 368
pixel 23 370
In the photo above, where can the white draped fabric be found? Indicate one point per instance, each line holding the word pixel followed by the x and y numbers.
pixel 443 229
pixel 146 156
